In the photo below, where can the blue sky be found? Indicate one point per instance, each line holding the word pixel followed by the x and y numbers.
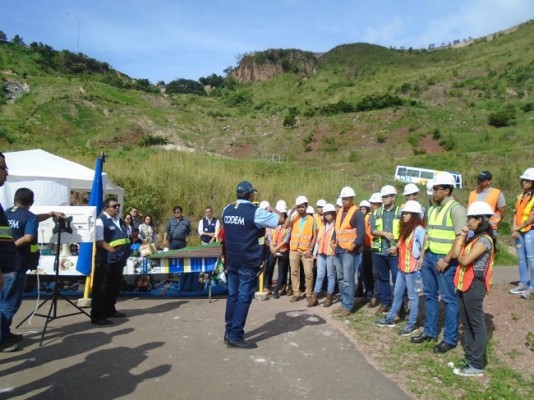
pixel 171 39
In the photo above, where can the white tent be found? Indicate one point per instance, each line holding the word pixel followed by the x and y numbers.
pixel 51 178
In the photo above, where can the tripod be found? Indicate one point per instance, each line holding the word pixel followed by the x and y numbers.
pixel 62 224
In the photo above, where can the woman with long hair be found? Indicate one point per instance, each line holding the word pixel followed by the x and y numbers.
pixel 146 230
pixel 326 256
pixel 523 234
pixel 411 253
pixel 472 281
pixel 129 224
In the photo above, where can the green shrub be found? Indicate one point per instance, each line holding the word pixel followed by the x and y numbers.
pixel 290 121
pixel 381 136
pixel 503 117
pixel 436 134
pixel 151 140
pixel 448 143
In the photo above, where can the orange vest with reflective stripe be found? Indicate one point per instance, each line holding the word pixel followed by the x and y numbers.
pixel 345 234
pixel 368 235
pixel 492 199
pixel 523 209
pixel 278 235
pixel 324 239
pixel 407 262
pixel 301 240
pixel 466 274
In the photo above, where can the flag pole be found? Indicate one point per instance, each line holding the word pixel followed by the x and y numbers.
pixel 98 199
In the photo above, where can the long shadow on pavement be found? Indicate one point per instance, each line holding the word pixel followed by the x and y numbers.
pixel 103 375
pixel 284 322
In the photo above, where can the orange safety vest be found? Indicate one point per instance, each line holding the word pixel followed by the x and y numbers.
pixel 407 262
pixel 466 274
pixel 301 240
pixel 278 235
pixel 345 234
pixel 491 199
pixel 318 220
pixel 324 239
pixel 368 235
pixel 523 209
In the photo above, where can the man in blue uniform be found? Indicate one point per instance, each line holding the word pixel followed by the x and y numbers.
pixel 9 260
pixel 244 224
pixel 208 227
pixel 113 249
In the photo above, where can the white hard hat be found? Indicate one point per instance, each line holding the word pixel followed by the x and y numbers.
pixel 281 206
pixel 479 208
pixel 321 203
pixel 444 178
pixel 429 186
pixel 347 191
pixel 329 208
pixel 365 203
pixel 264 204
pixel 528 174
pixel 387 190
pixel 410 188
pixel 412 206
pixel 310 210
pixel 339 202
pixel 375 198
pixel 301 200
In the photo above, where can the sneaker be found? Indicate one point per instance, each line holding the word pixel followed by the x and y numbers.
pixel 468 371
pixel 385 322
pixel 519 289
pixel 528 294
pixel 408 330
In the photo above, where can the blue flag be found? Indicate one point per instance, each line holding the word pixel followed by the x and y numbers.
pixel 96 198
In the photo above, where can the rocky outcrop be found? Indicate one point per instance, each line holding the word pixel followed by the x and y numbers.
pixel 14 89
pixel 264 65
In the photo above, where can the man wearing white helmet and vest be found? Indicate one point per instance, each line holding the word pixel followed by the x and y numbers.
pixel 278 239
pixel 350 236
pixel 376 202
pixel 411 192
pixel 364 288
pixel 303 235
pixel 385 227
pixel 445 220
pixel 319 215
pixel 523 233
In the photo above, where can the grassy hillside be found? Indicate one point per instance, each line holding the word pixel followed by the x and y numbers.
pixel 365 110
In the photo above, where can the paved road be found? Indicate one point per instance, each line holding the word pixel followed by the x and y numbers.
pixel 172 349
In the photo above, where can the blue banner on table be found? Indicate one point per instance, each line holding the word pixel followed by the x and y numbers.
pixel 96 199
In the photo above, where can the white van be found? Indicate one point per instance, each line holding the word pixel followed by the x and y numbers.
pixel 420 176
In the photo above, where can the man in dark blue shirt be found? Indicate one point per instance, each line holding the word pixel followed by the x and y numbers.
pixel 244 224
pixel 9 259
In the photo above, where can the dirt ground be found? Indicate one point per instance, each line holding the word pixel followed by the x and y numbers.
pixel 510 321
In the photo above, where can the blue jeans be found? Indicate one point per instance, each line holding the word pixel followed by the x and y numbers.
pixel 242 284
pixel 346 264
pixel 385 265
pixel 441 284
pixel 525 254
pixel 10 300
pixel 405 282
pixel 325 266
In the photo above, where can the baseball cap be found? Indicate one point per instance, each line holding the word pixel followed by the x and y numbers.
pixel 484 176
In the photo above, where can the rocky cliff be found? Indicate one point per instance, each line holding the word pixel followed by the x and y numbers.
pixel 261 66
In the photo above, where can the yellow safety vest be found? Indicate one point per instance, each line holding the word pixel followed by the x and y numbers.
pixel 379 222
pixel 5 234
pixel 440 228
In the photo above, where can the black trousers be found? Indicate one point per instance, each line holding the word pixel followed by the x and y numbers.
pixel 474 322
pixel 107 283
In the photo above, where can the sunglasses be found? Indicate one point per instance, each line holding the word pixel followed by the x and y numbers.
pixel 115 206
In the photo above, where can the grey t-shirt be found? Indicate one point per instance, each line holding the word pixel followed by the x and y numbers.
pixel 481 263
pixel 178 229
